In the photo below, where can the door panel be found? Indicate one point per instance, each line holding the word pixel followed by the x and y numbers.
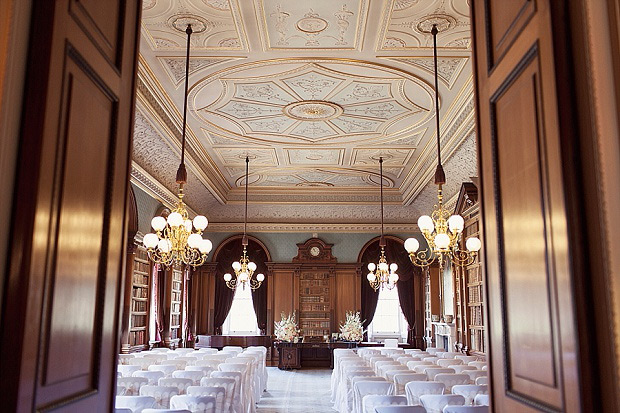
pixel 60 325
pixel 532 348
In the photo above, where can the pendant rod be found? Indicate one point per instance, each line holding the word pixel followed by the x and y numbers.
pixel 440 177
pixel 182 172
pixel 382 241
pixel 245 219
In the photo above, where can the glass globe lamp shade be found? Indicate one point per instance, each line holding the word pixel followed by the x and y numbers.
pixel 456 223
pixel 393 267
pixel 371 276
pixel 227 277
pixel 150 240
pixel 200 222
pixel 175 219
pixel 383 266
pixel 194 240
pixel 412 245
pixel 163 245
pixel 371 266
pixel 158 223
pixel 252 266
pixel 260 277
pixel 393 278
pixel 236 265
pixel 188 225
pixel 473 244
pixel 425 223
pixel 205 246
pixel 442 241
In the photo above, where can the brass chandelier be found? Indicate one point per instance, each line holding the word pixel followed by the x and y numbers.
pixel 382 275
pixel 244 268
pixel 177 239
pixel 441 230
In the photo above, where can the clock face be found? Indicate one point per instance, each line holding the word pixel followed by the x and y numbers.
pixel 315 251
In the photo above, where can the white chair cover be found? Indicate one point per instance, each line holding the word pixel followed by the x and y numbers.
pixel 158 357
pixel 195 376
pixel 392 351
pixel 390 343
pixel 161 394
pixel 379 364
pixel 466 409
pixel 432 359
pixel 474 374
pixel 400 409
pixel 207 350
pixel 249 378
pixel 134 403
pixel 160 350
pixel 411 365
pixel 482 380
pixel 131 384
pixel 205 370
pixel 447 362
pixel 151 376
pixel 448 354
pixel 339 354
pixel 166 369
pixel 237 377
pixel 466 359
pixel 452 379
pixel 477 364
pixel 214 364
pixel 415 389
pixel 128 370
pixel 469 391
pixel 124 358
pixel 218 392
pixel 401 379
pixel 435 403
pixel 434 371
pixel 180 383
pixel 481 400
pixel 187 359
pixel 165 411
pixel 244 396
pixel 423 367
pixel 390 373
pixel 185 351
pixel 142 362
pixel 404 359
pixel 195 404
pixel 371 402
pixel 120 390
pixel 180 364
pixel 344 396
pixel 462 368
pixel 125 410
pixel 433 350
pixel 366 388
pixel 227 383
pixel 416 352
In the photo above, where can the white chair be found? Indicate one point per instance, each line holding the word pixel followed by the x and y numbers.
pixel 474 374
pixel 481 400
pixel 166 369
pixel 124 410
pixel 432 359
pixel 158 357
pixel 180 383
pixel 128 370
pixel 477 364
pixel 195 404
pixel 466 409
pixel 189 360
pixel 134 403
pixel 207 350
pixel 371 402
pixel 416 352
pixel 121 390
pixel 449 362
pixel 142 362
pixel 401 379
pixel 482 380
pixel 160 350
pixel 400 409
pixel 180 364
pixel 195 376
pixel 404 359
pixel 124 358
pixel 434 371
pixel 390 373
pixel 344 397
pixel 449 355
pixel 245 390
pixel 423 367
pixel 237 377
pixel 151 376
pixel 390 343
pixel 228 384
pixel 415 389
pixel 433 350
pixel 412 364
pixel 165 411
pixel 452 379
pixel 469 391
pixel 382 366
pixel 462 368
pixel 205 370
pixel 466 359
pixel 435 403
pixel 391 352
pixel 131 384
pixel 161 394
pixel 214 364
pixel 367 388
pixel 185 350
pixel 219 393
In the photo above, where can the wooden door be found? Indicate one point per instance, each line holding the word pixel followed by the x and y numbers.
pixel 60 322
pixel 531 309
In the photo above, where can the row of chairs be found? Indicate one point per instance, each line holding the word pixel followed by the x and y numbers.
pixel 231 382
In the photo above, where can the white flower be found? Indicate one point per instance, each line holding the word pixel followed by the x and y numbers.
pixel 286 329
pixel 352 329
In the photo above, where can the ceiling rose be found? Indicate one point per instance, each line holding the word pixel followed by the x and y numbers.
pixel 444 22
pixel 312 110
pixel 199 25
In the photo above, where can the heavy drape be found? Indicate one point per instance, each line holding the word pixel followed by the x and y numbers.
pixel 230 253
pixel 369 295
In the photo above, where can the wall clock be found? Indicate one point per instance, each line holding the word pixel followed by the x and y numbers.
pixel 315 251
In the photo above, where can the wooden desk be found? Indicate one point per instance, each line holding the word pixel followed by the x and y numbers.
pixel 299 355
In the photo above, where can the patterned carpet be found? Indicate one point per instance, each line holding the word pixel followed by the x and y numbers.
pixel 297 391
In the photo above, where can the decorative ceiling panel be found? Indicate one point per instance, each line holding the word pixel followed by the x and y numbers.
pixel 258 156
pixel 217 24
pixel 448 68
pixel 319 25
pixel 302 156
pixel 175 66
pixel 407 25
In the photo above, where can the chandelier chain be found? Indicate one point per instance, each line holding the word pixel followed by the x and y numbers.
pixel 382 242
pixel 434 32
pixel 245 219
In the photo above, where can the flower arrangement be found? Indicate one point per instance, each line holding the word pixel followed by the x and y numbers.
pixel 352 329
pixel 286 329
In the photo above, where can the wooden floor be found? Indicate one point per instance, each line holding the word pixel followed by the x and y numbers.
pixel 297 391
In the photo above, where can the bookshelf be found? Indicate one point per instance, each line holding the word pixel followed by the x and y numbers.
pixel 315 303
pixel 140 301
pixel 176 294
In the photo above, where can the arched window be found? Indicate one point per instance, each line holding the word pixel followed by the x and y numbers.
pixel 389 321
pixel 241 319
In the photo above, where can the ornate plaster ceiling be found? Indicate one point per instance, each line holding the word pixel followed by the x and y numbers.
pixel 313 93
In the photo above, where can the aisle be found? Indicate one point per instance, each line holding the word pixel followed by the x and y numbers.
pixel 297 391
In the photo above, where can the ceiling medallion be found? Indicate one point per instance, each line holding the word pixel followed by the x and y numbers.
pixel 443 22
pixel 312 24
pixel 199 25
pixel 312 110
